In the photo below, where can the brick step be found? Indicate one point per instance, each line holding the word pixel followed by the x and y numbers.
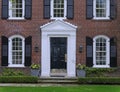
pixel 58 80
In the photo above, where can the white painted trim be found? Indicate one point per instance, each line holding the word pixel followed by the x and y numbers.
pixel 107 55
pixel 10 11
pixel 14 18
pixel 10 51
pixel 103 66
pixel 52 12
pixel 107 12
pixel 58 29
pixel 16 66
pixel 58 21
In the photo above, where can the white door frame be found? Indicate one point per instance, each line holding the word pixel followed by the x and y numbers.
pixel 64 30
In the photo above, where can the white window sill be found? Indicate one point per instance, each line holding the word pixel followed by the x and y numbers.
pixel 58 18
pixel 101 18
pixel 11 18
pixel 16 66
pixel 101 66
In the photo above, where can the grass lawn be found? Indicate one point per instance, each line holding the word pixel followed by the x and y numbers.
pixel 81 88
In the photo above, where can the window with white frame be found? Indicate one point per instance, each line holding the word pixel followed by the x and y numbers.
pixel 101 51
pixel 16 51
pixel 16 9
pixel 101 9
pixel 58 9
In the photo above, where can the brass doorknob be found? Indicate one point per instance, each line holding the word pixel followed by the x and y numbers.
pixel 65 57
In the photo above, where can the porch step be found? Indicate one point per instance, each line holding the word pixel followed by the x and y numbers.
pixel 58 80
pixel 58 74
pixel 58 71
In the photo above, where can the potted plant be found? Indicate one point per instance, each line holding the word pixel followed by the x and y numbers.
pixel 35 70
pixel 81 70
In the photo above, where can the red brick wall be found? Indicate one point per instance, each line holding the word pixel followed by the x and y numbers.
pixel 86 27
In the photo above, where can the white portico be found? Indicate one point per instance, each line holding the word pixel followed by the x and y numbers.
pixel 58 29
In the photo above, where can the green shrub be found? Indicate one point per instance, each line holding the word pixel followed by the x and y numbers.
pixel 12 72
pixel 99 80
pixel 18 79
pixel 98 72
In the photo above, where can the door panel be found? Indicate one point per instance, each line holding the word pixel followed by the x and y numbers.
pixel 58 51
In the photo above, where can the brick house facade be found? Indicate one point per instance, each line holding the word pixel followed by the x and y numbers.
pixel 68 31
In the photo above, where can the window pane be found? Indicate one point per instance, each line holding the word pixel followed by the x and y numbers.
pixel 58 8
pixel 17 51
pixel 101 8
pixel 17 8
pixel 101 51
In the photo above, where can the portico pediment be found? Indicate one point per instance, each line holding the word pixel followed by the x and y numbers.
pixel 58 25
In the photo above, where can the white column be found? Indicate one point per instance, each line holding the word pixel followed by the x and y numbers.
pixel 45 62
pixel 71 64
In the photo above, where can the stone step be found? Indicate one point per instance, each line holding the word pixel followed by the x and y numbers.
pixel 58 80
pixel 58 74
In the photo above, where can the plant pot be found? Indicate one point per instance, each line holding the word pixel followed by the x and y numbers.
pixel 35 72
pixel 81 73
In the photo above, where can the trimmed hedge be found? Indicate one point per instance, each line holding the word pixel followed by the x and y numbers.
pixel 99 72
pixel 18 79
pixel 99 80
pixel 12 72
